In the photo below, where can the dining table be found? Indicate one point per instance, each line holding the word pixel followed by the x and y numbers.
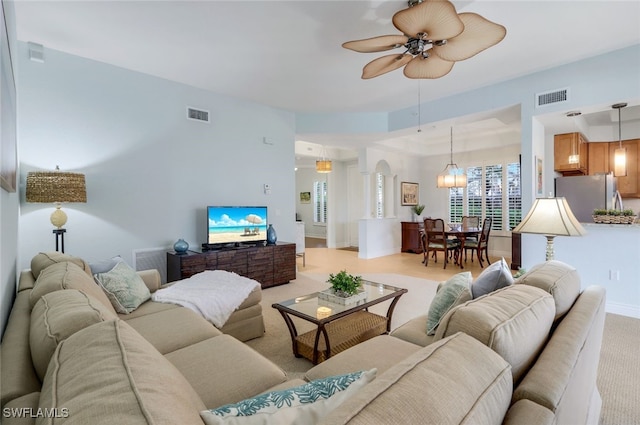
pixel 462 233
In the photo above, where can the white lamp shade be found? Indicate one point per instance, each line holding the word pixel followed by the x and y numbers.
pixel 550 216
pixel 620 162
pixel 452 177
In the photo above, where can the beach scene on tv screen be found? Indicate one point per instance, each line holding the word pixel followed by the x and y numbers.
pixel 237 224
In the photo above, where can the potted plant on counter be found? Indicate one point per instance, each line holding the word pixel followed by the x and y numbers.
pixel 605 216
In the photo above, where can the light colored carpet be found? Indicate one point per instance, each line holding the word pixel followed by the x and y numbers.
pixel 618 373
pixel 276 343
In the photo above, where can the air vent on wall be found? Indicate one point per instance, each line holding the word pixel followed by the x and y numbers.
pixel 197 114
pixel 551 97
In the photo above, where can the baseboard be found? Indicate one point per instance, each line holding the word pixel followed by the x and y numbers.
pixel 623 309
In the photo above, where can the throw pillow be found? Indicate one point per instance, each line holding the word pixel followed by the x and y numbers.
pixel 104 266
pixel 306 404
pixel 453 292
pixel 124 287
pixel 496 276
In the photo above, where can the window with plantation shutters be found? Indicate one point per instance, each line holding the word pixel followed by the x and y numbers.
pixel 485 196
pixel 514 195
pixel 474 191
pixel 320 202
pixel 493 195
pixel 379 195
pixel 456 204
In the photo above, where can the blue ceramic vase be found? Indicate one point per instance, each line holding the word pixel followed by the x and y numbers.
pixel 271 235
pixel 181 246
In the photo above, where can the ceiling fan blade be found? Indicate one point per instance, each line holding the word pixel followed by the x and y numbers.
pixel 384 64
pixel 479 34
pixel 437 18
pixel 376 44
pixel 431 67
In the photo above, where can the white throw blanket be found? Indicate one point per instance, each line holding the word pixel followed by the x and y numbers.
pixel 214 294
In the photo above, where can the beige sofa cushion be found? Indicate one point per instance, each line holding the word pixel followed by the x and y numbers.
pixel 67 275
pixel 514 321
pixel 381 353
pixel 45 259
pixel 58 315
pixel 108 374
pixel 528 412
pixel 223 370
pixel 455 380
pixel 414 331
pixel 564 376
pixel 17 376
pixel 170 330
pixel 559 279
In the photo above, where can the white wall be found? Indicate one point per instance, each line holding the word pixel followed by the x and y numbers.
pixel 150 172
pixel 8 211
pixel 305 177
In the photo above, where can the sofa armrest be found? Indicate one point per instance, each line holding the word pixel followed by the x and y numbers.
pixel 151 278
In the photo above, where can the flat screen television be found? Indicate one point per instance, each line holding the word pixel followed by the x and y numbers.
pixel 236 225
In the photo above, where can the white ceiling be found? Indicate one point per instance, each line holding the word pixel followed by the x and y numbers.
pixel 288 54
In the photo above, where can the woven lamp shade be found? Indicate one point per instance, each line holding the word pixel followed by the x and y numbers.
pixel 323 166
pixel 56 187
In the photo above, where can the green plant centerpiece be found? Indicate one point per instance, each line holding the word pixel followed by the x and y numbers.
pixel 344 284
pixel 417 209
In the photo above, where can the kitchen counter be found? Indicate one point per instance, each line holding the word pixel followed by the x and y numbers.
pixel 608 255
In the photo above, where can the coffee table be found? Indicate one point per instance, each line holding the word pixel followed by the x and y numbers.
pixel 341 326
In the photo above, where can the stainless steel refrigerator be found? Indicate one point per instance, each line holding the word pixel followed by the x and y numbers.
pixel 586 193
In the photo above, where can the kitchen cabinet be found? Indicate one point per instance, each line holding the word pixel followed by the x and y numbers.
pixel 567 145
pixel 598 158
pixel 629 185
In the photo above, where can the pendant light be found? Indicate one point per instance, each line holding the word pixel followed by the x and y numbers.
pixel 574 157
pixel 452 176
pixel 620 154
pixel 323 165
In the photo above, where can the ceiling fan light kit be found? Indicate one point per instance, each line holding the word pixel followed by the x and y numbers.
pixel 435 37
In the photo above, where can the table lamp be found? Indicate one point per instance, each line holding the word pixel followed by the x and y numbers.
pixel 550 217
pixel 56 187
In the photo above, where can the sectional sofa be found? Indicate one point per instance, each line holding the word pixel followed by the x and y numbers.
pixel 527 353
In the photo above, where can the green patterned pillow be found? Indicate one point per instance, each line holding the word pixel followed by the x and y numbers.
pixel 306 404
pixel 454 291
pixel 124 287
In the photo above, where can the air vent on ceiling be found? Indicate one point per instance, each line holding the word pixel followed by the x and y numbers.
pixel 197 114
pixel 551 97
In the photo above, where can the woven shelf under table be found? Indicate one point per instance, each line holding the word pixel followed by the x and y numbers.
pixel 343 333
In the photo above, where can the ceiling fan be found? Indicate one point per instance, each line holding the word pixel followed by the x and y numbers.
pixel 435 37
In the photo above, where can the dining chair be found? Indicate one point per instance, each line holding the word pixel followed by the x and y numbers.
pixel 470 221
pixel 434 239
pixel 481 245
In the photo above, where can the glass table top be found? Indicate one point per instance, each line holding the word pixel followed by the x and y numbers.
pixel 310 305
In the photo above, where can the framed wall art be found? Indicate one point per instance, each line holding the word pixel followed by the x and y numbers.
pixel 305 197
pixel 409 193
pixel 539 177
